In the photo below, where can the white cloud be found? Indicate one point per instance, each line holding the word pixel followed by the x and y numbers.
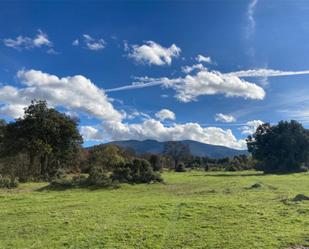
pixel 52 51
pixel 225 118
pixel 41 40
pixel 76 93
pixel 94 44
pixel 299 113
pixel 12 110
pixel 190 87
pixel 154 129
pixel 75 42
pixel 91 133
pixel 21 42
pixel 165 114
pixel 250 127
pixel 136 114
pixel 189 69
pixel 205 82
pixel 201 58
pixel 153 53
pixel 90 43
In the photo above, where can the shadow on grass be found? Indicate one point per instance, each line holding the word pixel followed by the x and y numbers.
pixel 64 188
pixel 257 173
pixel 234 174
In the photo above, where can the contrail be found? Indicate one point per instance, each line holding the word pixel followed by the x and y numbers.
pixel 134 86
pixel 241 74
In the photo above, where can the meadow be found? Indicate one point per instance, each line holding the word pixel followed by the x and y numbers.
pixel 190 210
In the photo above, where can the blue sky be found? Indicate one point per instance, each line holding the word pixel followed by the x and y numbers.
pixel 209 71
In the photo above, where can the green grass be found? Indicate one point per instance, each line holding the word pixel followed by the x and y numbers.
pixel 192 210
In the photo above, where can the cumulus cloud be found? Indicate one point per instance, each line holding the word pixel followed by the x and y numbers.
pixel 154 129
pixel 190 87
pixel 12 110
pixel 153 53
pixel 165 114
pixel 24 42
pixel 224 118
pixel 90 42
pixel 202 58
pixel 205 82
pixel 76 93
pixel 250 127
pixel 91 133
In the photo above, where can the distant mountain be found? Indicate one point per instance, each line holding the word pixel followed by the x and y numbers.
pixel 196 148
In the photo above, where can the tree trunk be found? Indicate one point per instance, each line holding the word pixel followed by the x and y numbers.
pixel 44 162
pixel 31 170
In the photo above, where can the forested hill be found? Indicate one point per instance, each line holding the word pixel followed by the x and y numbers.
pixel 196 148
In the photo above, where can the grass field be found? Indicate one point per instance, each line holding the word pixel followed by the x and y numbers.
pixel 192 210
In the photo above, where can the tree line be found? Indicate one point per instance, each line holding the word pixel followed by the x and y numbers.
pixel 45 145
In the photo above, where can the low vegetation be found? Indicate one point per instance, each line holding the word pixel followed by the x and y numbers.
pixel 194 209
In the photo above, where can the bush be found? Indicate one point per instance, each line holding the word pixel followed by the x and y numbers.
pixel 8 182
pixel 60 173
pixel 79 180
pixel 233 167
pixel 123 173
pixel 97 177
pixel 180 167
pixel 62 182
pixel 137 171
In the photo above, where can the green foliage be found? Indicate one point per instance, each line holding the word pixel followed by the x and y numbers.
pixel 155 161
pixel 280 148
pixel 106 157
pixel 236 163
pixel 49 139
pixel 178 151
pixel 180 167
pixel 8 182
pixel 137 171
pixel 98 177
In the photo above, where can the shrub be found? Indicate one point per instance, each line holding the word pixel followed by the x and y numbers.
pixel 60 173
pixel 8 182
pixel 137 171
pixel 122 173
pixel 79 180
pixel 62 182
pixel 233 167
pixel 97 177
pixel 180 167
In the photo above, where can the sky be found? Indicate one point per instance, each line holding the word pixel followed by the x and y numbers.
pixel 210 71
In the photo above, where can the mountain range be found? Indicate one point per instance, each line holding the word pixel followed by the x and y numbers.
pixel 196 148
